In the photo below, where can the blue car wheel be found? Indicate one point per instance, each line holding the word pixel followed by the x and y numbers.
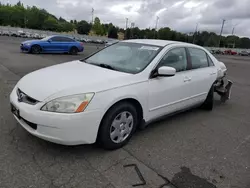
pixel 36 49
pixel 73 50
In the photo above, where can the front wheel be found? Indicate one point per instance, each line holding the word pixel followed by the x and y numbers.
pixel 36 49
pixel 118 126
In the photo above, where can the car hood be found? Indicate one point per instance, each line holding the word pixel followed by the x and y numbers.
pixel 71 78
pixel 30 41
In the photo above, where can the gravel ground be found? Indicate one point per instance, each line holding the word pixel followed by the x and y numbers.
pixel 191 150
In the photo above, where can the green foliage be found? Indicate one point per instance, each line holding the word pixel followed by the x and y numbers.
pixel 112 32
pixel 83 27
pixel 31 17
pixel 98 28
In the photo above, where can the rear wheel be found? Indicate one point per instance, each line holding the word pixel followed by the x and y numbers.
pixel 118 126
pixel 209 102
pixel 36 49
pixel 73 50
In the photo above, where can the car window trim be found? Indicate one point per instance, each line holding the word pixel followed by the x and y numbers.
pixel 55 37
pixel 67 38
pixel 209 58
pixel 191 58
pixel 157 64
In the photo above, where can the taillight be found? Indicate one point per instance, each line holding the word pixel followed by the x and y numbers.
pixel 81 43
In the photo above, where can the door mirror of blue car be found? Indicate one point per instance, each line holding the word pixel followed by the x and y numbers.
pixel 49 40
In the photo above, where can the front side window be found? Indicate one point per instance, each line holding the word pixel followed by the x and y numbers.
pixel 175 58
pixel 198 58
pixel 125 57
pixel 56 39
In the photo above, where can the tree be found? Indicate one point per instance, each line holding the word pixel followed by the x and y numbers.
pixel 83 27
pixel 97 27
pixel 245 42
pixel 112 33
pixel 165 33
pixel 62 20
pixel 50 24
pixel 127 33
pixel 135 32
pixel 19 4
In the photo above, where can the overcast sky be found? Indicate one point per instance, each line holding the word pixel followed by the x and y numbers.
pixel 180 15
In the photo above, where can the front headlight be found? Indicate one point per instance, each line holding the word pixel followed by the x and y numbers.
pixel 27 44
pixel 69 104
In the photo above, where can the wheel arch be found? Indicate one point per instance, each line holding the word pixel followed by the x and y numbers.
pixel 132 101
pixel 35 44
pixel 73 46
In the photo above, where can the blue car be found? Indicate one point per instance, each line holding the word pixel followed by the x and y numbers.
pixel 52 44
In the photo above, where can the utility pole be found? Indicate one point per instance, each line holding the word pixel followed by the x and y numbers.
pixel 131 31
pixel 156 25
pixel 126 23
pixel 196 29
pixel 222 26
pixel 232 35
pixel 233 31
pixel 93 15
pixel 126 28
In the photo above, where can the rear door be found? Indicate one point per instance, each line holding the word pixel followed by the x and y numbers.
pixel 202 74
pixel 66 43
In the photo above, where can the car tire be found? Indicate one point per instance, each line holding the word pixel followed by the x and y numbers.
pixel 118 126
pixel 209 102
pixel 73 50
pixel 36 49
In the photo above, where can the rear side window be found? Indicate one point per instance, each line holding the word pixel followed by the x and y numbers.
pixel 210 62
pixel 199 58
pixel 66 39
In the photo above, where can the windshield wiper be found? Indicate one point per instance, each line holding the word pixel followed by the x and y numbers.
pixel 106 66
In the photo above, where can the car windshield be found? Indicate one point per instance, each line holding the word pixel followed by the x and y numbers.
pixel 125 57
pixel 46 38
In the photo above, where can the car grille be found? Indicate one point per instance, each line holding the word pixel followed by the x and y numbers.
pixel 22 97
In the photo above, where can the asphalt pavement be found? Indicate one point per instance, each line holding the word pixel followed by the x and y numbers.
pixel 194 149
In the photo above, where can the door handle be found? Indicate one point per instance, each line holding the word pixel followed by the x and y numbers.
pixel 212 73
pixel 187 79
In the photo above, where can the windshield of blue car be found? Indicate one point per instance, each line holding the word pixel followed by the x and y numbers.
pixel 46 38
pixel 125 57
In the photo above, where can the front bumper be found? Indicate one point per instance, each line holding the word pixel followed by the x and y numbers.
pixel 223 87
pixel 66 129
pixel 24 48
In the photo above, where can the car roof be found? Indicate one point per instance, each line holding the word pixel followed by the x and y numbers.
pixel 61 36
pixel 157 42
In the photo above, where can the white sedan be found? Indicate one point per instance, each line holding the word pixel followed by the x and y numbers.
pixel 108 95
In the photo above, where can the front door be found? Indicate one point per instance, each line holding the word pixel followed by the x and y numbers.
pixel 170 94
pixel 54 44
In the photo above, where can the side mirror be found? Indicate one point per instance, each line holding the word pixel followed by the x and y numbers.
pixel 166 71
pixel 49 40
